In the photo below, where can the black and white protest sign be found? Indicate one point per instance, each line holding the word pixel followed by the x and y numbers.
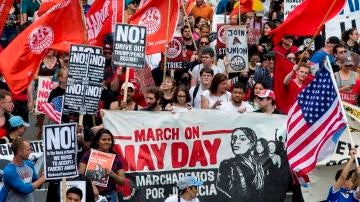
pixel 84 85
pixel 129 46
pixel 60 151
pixel 236 48
pixel 175 53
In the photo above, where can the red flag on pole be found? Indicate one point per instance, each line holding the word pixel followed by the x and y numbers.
pixel 306 18
pixel 4 12
pixel 20 60
pixel 99 20
pixel 153 16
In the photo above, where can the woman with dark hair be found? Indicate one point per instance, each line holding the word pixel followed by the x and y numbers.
pixel 199 21
pixel 241 178
pixel 181 100
pixel 351 37
pixel 258 86
pixel 104 142
pixel 217 93
pixel 265 41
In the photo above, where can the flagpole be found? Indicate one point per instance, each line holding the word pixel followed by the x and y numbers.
pixel 239 13
pixel 83 21
pixel 329 68
pixel 167 40
pixel 317 31
pixel 127 72
pixel 188 24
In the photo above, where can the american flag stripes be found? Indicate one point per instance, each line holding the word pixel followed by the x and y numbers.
pixel 315 122
pixel 54 109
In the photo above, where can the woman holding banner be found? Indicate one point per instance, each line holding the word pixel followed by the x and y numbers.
pixel 104 142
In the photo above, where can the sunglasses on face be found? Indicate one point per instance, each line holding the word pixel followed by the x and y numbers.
pixel 204 43
pixel 291 58
pixel 107 53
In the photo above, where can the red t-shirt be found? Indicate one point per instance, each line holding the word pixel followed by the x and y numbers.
pixel 283 51
pixel 293 90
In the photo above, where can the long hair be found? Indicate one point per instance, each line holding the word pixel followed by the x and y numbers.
pixel 218 78
pixel 94 143
pixel 264 144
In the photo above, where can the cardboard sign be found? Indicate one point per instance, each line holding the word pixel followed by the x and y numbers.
pixel 45 85
pixel 79 184
pixel 129 46
pixel 60 151
pixel 290 5
pixel 220 42
pixel 95 169
pixel 175 53
pixel 84 85
pixel 158 153
pixel 236 48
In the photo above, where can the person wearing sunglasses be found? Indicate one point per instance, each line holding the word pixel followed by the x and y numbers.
pixel 286 45
pixel 346 77
pixel 188 190
pixel 339 54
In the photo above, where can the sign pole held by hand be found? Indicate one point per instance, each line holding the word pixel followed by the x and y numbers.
pixel 167 40
pixel 126 84
pixel 64 188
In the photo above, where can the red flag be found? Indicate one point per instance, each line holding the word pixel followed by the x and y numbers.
pixel 99 20
pixel 189 6
pixel 245 7
pixel 4 12
pixel 305 19
pixel 20 60
pixel 154 16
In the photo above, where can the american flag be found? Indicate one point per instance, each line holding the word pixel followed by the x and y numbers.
pixel 54 109
pixel 315 123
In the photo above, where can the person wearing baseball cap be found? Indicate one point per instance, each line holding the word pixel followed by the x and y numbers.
pixel 266 100
pixel 188 189
pixel 129 104
pixel 16 129
pixel 328 50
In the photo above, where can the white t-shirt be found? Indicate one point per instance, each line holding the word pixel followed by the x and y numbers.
pixel 229 107
pixel 212 99
pixel 196 71
pixel 197 101
pixel 174 198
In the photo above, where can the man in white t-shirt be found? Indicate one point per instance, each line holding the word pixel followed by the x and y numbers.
pixel 236 104
pixel 207 60
pixel 206 76
pixel 188 190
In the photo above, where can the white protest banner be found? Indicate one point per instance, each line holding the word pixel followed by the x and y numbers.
pixel 175 53
pixel 322 177
pixel 220 41
pixel 290 5
pixel 158 153
pixel 78 184
pixel 6 156
pixel 349 17
pixel 236 48
pixel 60 151
pixel 129 46
pixel 45 85
pixel 84 84
pixel 95 168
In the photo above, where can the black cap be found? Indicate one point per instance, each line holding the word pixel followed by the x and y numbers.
pixel 269 54
pixel 333 40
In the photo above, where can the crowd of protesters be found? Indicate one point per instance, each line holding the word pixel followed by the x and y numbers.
pixel 202 83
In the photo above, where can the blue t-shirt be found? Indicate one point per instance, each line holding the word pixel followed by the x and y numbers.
pixel 319 56
pixel 341 195
pixel 18 182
